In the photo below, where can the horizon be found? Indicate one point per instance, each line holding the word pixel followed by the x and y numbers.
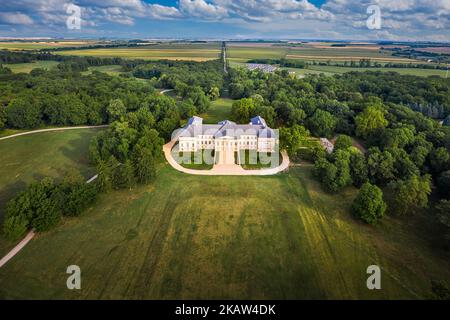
pixel 343 20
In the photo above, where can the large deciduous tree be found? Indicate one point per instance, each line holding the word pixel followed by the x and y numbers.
pixel 369 204
pixel 369 120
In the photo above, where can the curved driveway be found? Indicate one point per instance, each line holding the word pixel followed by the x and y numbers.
pixel 224 170
pixel 51 129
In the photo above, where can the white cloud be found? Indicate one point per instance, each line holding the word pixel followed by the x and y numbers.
pixel 15 18
pixel 163 12
pixel 201 9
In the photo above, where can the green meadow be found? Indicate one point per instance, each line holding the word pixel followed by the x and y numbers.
pixel 27 67
pixel 32 157
pixel 193 237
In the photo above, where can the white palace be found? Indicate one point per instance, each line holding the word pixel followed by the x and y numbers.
pixel 227 137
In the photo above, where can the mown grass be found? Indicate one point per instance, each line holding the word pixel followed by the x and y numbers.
pixel 219 110
pixel 192 237
pixel 112 70
pixel 27 67
pixel 30 158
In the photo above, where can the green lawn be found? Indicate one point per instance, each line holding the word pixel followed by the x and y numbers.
pixel 193 237
pixel 218 111
pixel 112 70
pixel 27 67
pixel 196 160
pixel 252 160
pixel 29 158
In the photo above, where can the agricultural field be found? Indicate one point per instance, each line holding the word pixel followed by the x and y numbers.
pixel 242 52
pixel 37 45
pixel 332 70
pixel 191 52
pixel 29 158
pixel 27 67
pixel 404 71
pixel 193 237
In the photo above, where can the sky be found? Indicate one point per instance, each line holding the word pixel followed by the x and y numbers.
pixel 398 20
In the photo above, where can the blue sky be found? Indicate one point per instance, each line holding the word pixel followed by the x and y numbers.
pixel 231 19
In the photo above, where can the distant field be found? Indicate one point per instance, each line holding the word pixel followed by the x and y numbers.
pixel 29 158
pixel 331 70
pixel 192 52
pixel 27 67
pixel 36 45
pixel 405 71
pixel 242 52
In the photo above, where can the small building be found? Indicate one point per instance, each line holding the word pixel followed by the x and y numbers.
pixel 267 68
pixel 327 145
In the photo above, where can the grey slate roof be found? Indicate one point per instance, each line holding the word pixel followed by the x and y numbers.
pixel 226 128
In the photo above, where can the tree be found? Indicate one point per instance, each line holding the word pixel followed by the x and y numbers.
pixel 14 227
pixel 242 110
pixel 145 166
pixel 443 183
pixel 380 166
pixel 446 121
pixel 77 195
pixel 407 196
pixel 439 160
pixel 187 109
pixel 124 175
pixel 116 110
pixel 294 138
pixel 334 176
pixel 343 142
pixel 24 113
pixel 2 117
pixel 322 123
pixel 214 93
pixel 370 119
pixel 358 169
pixel 369 204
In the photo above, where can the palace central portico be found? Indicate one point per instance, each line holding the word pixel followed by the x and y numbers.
pixel 227 138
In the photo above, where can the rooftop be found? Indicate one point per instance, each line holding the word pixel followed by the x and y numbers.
pixel 257 127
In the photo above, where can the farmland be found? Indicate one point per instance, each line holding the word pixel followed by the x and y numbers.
pixel 309 52
pixel 37 45
pixel 192 52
